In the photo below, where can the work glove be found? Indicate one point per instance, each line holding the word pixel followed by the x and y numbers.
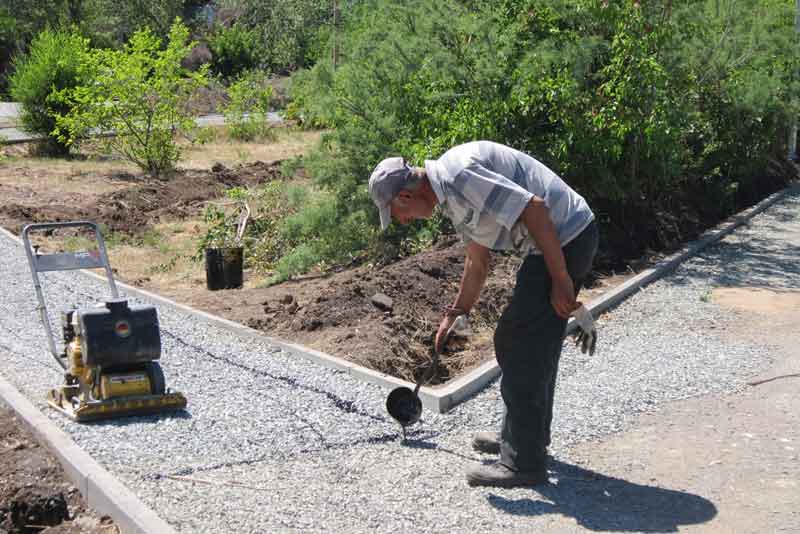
pixel 586 337
pixel 460 327
pixel 455 323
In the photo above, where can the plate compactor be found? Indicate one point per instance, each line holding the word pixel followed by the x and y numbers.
pixel 111 350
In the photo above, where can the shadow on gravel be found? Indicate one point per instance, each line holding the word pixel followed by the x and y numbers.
pixel 760 262
pixel 427 445
pixel 602 503
pixel 126 420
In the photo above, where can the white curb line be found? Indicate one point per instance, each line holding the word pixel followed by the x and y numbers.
pixel 102 491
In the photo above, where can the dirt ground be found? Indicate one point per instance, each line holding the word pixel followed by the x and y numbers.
pixel 713 465
pixel 35 496
pixel 125 202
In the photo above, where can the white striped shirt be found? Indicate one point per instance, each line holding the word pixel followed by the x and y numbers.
pixel 483 187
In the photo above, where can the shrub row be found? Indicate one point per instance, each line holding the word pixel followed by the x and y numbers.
pixel 649 109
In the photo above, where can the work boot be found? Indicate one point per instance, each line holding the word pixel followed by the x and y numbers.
pixel 499 476
pixel 486 442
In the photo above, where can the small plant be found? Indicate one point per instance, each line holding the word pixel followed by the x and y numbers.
pixel 152 238
pixel 225 227
pixel 246 112
pixel 165 267
pixel 242 154
pixel 75 243
pixel 204 135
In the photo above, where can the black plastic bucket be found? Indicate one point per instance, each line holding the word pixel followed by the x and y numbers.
pixel 224 268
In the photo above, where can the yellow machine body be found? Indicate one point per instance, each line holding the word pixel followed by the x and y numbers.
pixel 91 394
pixel 124 385
pixel 111 350
pixel 79 410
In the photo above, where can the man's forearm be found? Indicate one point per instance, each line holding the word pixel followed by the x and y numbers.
pixel 476 268
pixel 537 220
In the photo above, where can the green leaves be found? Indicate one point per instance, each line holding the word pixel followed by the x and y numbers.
pixel 246 111
pixel 50 67
pixel 635 104
pixel 140 94
pixel 236 49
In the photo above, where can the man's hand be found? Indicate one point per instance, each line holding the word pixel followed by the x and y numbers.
pixel 454 324
pixel 476 267
pixel 562 296
pixel 536 217
pixel 586 337
pixel 441 334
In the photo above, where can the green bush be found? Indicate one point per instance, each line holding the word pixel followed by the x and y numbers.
pixel 246 111
pixel 274 202
pixel 235 50
pixel 51 65
pixel 640 106
pixel 141 94
pixel 292 33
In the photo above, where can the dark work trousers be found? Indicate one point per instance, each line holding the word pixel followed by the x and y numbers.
pixel 527 344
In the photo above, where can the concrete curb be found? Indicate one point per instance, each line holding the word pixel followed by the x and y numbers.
pixel 441 399
pixel 102 491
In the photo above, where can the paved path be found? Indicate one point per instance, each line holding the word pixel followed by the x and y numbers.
pixel 272 443
pixel 10 133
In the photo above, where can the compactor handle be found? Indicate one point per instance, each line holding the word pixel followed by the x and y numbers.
pixel 55 225
pixel 67 261
pixel 64 261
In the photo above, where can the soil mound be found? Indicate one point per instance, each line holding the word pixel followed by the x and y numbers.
pixel 383 318
pixel 133 209
pixel 34 495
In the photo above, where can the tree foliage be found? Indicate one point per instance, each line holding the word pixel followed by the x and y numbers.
pixel 106 23
pixel 39 76
pixel 235 49
pixel 141 94
pixel 293 33
pixel 639 105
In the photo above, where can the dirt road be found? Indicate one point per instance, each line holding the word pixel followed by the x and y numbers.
pixel 715 465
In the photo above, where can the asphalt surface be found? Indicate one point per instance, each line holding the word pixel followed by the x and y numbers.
pixel 274 443
pixel 11 133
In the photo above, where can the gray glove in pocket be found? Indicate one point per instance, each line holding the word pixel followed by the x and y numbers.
pixel 586 336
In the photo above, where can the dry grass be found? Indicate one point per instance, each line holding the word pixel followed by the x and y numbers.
pixel 162 259
pixel 24 169
pixel 288 143
pixel 53 176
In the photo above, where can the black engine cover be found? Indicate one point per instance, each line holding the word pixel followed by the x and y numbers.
pixel 119 334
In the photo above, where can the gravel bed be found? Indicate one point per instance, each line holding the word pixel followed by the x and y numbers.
pixel 273 442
